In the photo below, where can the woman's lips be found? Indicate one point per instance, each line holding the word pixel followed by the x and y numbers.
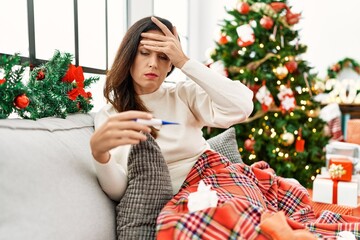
pixel 151 75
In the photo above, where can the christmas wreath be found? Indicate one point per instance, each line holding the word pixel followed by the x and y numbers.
pixel 344 91
pixel 333 70
pixel 55 88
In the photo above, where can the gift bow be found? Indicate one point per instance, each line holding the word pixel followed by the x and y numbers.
pixel 75 75
pixel 336 171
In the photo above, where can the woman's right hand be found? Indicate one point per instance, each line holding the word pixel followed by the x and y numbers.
pixel 119 129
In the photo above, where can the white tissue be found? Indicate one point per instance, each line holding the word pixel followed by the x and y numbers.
pixel 202 198
pixel 345 235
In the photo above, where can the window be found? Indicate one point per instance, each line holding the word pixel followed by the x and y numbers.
pixel 14 33
pixel 90 30
pixel 54 27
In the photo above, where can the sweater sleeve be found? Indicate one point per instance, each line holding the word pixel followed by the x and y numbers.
pixel 112 179
pixel 112 176
pixel 216 100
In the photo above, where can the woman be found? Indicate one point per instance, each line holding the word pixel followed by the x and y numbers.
pixel 148 53
pixel 134 89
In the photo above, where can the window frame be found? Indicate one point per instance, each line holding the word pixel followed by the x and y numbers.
pixel 34 61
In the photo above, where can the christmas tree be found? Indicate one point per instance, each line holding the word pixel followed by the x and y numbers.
pixel 259 46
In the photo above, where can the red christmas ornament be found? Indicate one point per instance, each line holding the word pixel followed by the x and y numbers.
pixel 223 40
pixel 336 67
pixel 32 66
pixel 40 75
pixel 291 66
pixel 235 53
pixel 2 81
pixel 292 18
pixel 243 7
pixel 266 22
pixel 300 143
pixel 249 144
pixel 278 6
pixel 255 88
pixel 357 69
pixel 22 101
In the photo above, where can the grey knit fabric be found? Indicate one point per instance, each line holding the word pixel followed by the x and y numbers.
pixel 225 143
pixel 149 189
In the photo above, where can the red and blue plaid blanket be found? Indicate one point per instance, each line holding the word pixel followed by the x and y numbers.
pixel 244 192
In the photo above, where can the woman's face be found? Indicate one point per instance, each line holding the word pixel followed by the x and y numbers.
pixel 149 69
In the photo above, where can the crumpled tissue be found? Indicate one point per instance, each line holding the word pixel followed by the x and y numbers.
pixel 202 198
pixel 345 235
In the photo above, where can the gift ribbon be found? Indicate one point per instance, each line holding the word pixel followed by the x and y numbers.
pixel 335 191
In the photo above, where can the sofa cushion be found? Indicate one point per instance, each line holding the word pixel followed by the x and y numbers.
pixel 48 185
pixel 225 143
pixel 149 189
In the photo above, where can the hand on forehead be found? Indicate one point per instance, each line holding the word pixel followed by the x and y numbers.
pixel 162 26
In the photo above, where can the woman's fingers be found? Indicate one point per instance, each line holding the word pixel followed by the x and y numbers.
pixel 175 32
pixel 162 26
pixel 131 115
pixel 120 129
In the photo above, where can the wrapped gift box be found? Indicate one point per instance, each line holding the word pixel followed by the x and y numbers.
pixel 354 178
pixel 352 131
pixel 328 191
pixel 340 169
pixel 343 210
pixel 350 151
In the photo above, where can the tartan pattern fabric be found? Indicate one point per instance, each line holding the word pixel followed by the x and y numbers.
pixel 244 192
pixel 343 210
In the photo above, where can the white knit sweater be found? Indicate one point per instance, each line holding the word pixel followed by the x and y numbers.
pixel 206 99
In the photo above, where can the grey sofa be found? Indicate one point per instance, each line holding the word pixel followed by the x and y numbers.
pixel 48 186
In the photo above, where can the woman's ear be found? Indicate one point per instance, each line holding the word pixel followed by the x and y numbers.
pixel 170 68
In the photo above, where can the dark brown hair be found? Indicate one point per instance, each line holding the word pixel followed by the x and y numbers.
pixel 119 89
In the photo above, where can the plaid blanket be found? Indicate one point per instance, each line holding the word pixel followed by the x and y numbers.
pixel 244 192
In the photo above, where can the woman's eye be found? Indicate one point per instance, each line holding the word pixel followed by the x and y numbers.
pixel 163 57
pixel 144 53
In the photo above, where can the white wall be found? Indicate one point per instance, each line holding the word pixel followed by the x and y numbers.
pixel 205 16
pixel 331 31
pixel 329 28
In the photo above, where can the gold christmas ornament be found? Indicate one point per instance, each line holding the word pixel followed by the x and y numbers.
pixel 281 72
pixel 313 113
pixel 287 138
pixel 318 87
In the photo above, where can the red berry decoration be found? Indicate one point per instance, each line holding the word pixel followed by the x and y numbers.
pixel 2 81
pixel 249 145
pixel 40 75
pixel 243 7
pixel 22 101
pixel 266 22
pixel 291 66
pixel 223 40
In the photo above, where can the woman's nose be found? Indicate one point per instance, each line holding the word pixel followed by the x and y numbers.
pixel 153 61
